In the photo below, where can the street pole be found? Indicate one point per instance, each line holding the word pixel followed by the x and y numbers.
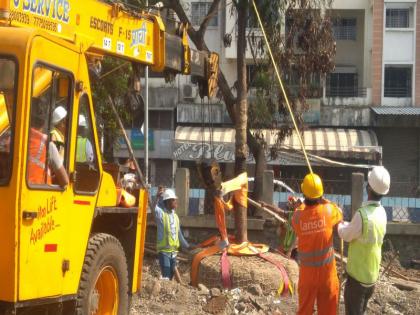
pixel 146 121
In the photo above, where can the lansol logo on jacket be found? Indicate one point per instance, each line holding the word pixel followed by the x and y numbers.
pixel 313 226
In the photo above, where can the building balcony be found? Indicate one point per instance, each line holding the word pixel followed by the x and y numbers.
pixel 347 96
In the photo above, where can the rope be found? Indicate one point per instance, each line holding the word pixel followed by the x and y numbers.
pixel 282 87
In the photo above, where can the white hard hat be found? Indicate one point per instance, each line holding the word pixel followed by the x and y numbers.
pixel 58 115
pixel 379 180
pixel 82 121
pixel 169 194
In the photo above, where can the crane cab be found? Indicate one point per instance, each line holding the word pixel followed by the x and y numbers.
pixel 59 207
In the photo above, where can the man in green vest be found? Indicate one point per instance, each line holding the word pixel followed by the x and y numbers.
pixel 60 128
pixel 365 233
pixel 169 234
pixel 84 149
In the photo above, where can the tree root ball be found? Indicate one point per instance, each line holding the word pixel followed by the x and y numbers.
pixel 248 270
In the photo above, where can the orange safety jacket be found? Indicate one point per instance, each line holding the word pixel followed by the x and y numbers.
pixel 314 228
pixel 37 158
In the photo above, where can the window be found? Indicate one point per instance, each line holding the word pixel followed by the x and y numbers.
pixel 199 11
pixel 48 131
pixel 87 170
pixel 397 81
pixel 397 18
pixel 161 119
pixel 344 28
pixel 342 85
pixel 8 84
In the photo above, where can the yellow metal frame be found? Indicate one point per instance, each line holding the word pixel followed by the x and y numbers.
pixel 42 257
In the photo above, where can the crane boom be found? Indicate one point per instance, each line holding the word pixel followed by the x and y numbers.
pixel 112 29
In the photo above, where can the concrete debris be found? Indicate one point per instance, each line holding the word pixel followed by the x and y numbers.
pixel 216 305
pixel 241 307
pixel 255 289
pixel 203 289
pixel 215 292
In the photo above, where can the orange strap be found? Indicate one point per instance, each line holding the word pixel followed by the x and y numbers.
pixel 209 251
pixel 220 206
pixel 219 213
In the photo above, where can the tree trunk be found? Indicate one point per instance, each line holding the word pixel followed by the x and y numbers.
pixel 241 119
pixel 258 152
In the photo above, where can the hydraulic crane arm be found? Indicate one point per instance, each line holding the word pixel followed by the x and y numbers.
pixel 112 29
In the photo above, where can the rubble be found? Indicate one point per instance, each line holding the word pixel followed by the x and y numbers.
pixel 174 298
pixel 215 292
pixel 255 289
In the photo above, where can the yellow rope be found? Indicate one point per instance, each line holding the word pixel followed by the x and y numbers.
pixel 282 87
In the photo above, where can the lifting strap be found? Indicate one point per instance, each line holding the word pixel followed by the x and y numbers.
pixel 285 285
pixel 225 271
pixel 209 251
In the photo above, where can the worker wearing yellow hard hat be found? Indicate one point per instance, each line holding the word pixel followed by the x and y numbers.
pixel 314 223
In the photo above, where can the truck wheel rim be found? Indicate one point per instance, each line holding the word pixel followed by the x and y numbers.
pixel 104 298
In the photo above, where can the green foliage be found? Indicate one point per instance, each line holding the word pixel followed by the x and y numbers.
pixel 114 82
pixel 303 46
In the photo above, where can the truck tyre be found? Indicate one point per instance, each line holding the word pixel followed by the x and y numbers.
pixel 103 287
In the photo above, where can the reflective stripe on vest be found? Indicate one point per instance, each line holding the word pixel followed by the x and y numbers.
pixel 58 139
pixel 37 156
pixel 365 252
pixel 55 133
pixel 168 243
pixel 312 259
pixel 81 149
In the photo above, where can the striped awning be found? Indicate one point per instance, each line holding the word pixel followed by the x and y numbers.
pixel 326 142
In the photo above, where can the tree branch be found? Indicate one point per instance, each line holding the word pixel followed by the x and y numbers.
pixel 212 12
pixel 198 40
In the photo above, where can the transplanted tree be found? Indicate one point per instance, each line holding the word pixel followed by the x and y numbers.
pixel 301 36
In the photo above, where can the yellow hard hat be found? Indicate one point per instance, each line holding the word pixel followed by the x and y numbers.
pixel 312 187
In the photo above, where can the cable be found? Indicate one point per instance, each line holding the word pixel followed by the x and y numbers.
pixel 282 87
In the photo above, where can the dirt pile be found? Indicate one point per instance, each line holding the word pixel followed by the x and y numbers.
pixel 168 297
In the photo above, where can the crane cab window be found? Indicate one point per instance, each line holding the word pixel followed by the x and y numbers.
pixel 48 130
pixel 87 170
pixel 8 84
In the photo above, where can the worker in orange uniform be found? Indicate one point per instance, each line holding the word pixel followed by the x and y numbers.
pixel 39 168
pixel 314 223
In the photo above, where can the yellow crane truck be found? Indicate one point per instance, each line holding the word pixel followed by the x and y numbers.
pixel 66 247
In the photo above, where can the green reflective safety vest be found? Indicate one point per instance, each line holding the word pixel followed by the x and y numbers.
pixel 168 243
pixel 365 252
pixel 58 138
pixel 81 149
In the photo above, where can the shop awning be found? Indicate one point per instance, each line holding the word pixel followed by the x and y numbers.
pixel 190 142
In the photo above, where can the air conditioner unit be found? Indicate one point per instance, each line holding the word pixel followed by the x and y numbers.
pixel 189 92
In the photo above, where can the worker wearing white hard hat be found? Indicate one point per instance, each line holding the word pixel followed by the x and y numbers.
pixel 365 233
pixel 84 149
pixel 169 234
pixel 59 130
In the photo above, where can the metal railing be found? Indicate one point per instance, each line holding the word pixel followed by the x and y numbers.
pixel 397 91
pixel 348 91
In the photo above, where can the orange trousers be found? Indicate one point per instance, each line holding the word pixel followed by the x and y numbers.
pixel 320 285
